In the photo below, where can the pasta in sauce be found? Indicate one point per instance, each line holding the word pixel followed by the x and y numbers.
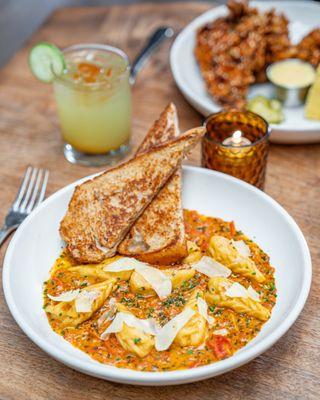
pixel 230 324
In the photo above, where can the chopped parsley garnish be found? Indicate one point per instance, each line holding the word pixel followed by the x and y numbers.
pixel 177 301
pixel 272 287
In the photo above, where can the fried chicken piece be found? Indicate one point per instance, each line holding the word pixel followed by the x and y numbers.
pixel 279 46
pixel 238 9
pixel 229 50
pixel 277 43
pixel 309 48
pixel 233 52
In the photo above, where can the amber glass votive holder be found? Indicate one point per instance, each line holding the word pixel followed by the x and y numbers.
pixel 237 143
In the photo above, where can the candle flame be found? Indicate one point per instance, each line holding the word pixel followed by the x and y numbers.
pixel 236 137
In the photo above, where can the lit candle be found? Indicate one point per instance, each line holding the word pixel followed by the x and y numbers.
pixel 226 146
pixel 236 140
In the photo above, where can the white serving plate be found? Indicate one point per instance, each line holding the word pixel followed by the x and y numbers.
pixel 303 17
pixel 37 243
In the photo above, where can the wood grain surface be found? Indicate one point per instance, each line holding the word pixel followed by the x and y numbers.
pixel 29 134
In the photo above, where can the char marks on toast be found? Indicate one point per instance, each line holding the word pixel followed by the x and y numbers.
pixel 102 210
pixel 158 236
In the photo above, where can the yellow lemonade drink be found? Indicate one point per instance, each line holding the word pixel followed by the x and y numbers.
pixel 93 98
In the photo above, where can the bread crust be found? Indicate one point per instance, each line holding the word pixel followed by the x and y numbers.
pixel 158 236
pixel 102 210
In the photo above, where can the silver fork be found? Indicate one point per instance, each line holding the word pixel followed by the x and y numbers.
pixel 31 193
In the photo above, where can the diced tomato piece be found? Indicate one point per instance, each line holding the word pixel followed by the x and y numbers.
pixel 221 345
pixel 195 364
pixel 232 228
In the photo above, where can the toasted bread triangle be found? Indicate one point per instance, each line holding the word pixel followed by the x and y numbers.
pixel 158 236
pixel 103 209
pixel 163 130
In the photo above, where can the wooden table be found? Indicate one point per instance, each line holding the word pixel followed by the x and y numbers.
pixel 29 135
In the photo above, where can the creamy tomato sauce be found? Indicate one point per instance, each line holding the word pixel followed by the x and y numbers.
pixel 237 329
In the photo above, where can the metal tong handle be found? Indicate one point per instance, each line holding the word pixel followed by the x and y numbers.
pixel 153 42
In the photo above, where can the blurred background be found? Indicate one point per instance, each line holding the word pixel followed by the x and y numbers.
pixel 20 18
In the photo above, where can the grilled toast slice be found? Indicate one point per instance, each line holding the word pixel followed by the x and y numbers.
pixel 166 243
pixel 164 129
pixel 158 236
pixel 102 210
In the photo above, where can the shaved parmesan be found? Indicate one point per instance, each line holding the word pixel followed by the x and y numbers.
pixel 203 310
pixel 242 248
pixel 237 290
pixel 222 332
pixel 146 325
pixel 169 331
pixel 210 267
pixel 226 285
pixel 66 296
pixel 109 314
pixel 160 282
pixel 123 264
pixel 253 294
pixel 202 346
pixel 85 299
pixel 113 304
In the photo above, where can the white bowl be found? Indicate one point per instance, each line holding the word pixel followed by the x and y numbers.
pixel 37 243
pixel 303 17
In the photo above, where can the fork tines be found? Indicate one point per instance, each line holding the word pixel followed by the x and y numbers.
pixel 32 190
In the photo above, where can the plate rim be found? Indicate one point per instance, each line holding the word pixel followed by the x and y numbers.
pixel 200 20
pixel 168 377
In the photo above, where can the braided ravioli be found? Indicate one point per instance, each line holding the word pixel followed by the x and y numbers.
pixel 217 296
pixel 222 250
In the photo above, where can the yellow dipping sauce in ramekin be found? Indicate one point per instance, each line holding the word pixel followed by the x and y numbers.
pixel 291 73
